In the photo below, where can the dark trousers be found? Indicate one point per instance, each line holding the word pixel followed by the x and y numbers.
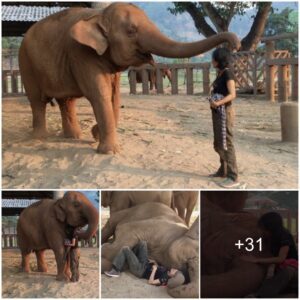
pixel 273 286
pixel 136 259
pixel 227 157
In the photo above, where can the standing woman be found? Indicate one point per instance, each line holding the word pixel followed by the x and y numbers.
pixel 222 95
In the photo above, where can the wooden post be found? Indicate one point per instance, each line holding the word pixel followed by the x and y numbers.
pixel 254 75
pixel 206 80
pixel 4 83
pixel 270 72
pixel 189 81
pixel 145 81
pixel 174 81
pixel 294 83
pixel 14 82
pixel 282 83
pixel 132 81
pixel 159 81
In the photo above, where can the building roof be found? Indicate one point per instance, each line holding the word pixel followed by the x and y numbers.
pixel 22 13
pixel 15 203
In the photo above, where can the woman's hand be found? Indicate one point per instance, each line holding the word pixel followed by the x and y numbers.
pixel 249 258
pixel 214 104
pixel 154 267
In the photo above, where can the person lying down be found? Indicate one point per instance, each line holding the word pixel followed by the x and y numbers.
pixel 142 266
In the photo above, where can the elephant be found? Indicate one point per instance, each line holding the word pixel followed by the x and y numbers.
pixel 119 200
pixel 85 60
pixel 184 202
pixel 170 242
pixel 43 225
pixel 151 73
pixel 223 273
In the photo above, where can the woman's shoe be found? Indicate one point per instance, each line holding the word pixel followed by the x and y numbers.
pixel 229 183
pixel 112 273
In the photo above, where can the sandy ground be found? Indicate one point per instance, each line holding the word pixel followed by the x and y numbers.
pixel 166 142
pixel 128 286
pixel 44 285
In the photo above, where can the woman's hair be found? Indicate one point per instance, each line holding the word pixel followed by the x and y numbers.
pixel 272 222
pixel 223 57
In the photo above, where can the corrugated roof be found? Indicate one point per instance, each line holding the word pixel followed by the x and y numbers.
pixel 16 203
pixel 27 13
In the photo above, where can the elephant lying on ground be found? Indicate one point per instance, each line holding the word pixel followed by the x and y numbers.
pixel 223 273
pixel 169 241
pixel 92 48
pixel 151 73
pixel 184 202
pixel 43 225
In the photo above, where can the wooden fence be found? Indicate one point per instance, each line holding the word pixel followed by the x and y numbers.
pixel 9 241
pixel 174 68
pixel 285 66
pixel 289 217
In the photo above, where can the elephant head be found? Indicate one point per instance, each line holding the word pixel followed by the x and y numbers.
pixel 124 33
pixel 184 252
pixel 76 210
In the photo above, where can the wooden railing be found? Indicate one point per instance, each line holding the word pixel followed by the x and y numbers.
pixel 174 68
pixel 9 241
pixel 283 65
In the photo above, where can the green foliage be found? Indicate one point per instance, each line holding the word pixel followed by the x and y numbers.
pixel 11 42
pixel 283 22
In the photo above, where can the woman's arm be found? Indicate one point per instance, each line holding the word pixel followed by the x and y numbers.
pixel 231 95
pixel 283 252
pixel 152 276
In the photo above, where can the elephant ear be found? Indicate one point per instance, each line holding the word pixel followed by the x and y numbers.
pixel 91 32
pixel 59 211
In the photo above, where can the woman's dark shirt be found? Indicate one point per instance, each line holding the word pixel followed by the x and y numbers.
pixel 220 83
pixel 161 274
pixel 284 238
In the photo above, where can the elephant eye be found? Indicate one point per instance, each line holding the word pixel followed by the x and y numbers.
pixel 76 204
pixel 131 30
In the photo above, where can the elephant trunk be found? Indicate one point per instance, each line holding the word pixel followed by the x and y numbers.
pixel 190 290
pixel 153 41
pixel 92 215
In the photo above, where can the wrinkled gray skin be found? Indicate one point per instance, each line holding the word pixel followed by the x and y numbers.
pixel 119 200
pixel 169 241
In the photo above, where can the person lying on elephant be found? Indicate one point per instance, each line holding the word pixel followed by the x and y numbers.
pixel 142 267
pixel 222 95
pixel 285 257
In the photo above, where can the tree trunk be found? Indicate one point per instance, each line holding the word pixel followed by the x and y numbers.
pixel 251 40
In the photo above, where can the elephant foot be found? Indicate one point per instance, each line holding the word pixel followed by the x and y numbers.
pixel 72 133
pixel 25 270
pixel 104 148
pixel 40 133
pixel 62 277
pixel 42 269
pixel 75 277
pixel 95 133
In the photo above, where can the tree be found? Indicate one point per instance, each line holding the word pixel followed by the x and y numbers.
pixel 220 14
pixel 283 22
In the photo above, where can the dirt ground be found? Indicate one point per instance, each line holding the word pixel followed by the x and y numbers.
pixel 44 285
pixel 166 142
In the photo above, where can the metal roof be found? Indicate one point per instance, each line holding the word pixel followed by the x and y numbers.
pixel 15 203
pixel 13 13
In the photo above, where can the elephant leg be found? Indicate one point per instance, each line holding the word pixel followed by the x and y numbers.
pixel 102 105
pixel 74 264
pixel 181 212
pixel 116 97
pixel 25 262
pixel 70 124
pixel 188 216
pixel 61 263
pixel 41 264
pixel 106 232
